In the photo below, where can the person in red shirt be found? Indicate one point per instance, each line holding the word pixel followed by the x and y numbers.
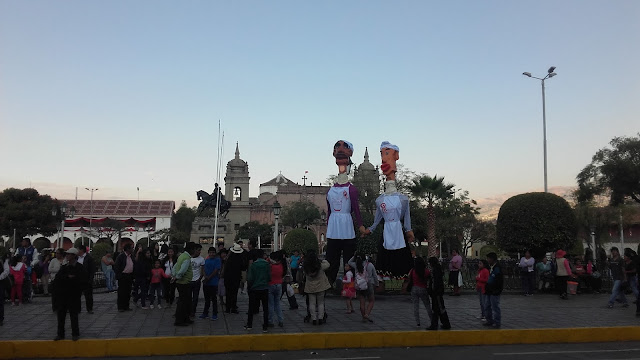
pixel 156 288
pixel 481 281
pixel 278 271
pixel 418 280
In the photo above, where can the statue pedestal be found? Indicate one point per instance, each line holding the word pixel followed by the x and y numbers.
pixel 202 231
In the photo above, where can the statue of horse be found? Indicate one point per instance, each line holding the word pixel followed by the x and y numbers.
pixel 209 201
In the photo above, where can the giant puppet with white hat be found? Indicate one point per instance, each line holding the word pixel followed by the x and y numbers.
pixel 342 202
pixel 394 257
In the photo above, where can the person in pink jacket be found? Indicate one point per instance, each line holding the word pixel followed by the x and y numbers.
pixel 19 271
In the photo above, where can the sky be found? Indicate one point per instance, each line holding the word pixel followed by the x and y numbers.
pixel 121 95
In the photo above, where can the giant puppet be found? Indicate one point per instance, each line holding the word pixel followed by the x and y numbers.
pixel 394 256
pixel 342 201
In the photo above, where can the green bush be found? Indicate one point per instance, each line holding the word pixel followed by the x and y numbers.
pixel 540 222
pixel 99 250
pixel 301 240
pixel 487 249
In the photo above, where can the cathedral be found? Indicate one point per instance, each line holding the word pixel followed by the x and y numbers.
pixel 245 208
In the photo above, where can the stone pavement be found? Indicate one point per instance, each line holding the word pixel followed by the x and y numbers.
pixel 391 312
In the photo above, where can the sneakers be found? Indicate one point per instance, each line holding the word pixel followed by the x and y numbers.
pixel 203 316
pixel 483 319
pixel 264 330
pixel 159 306
pixel 214 317
pixel 247 327
pixel 145 308
pixel 151 306
pixel 610 305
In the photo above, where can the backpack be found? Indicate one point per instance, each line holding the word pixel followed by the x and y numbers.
pixel 362 282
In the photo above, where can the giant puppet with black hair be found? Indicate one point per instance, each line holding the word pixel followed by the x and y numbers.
pixel 394 256
pixel 342 202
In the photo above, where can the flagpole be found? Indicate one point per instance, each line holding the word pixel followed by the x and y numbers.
pixel 218 167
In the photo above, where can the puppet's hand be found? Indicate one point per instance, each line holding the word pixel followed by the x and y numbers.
pixel 410 237
pixel 364 232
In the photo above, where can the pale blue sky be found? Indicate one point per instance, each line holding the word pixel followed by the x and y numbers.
pixel 122 94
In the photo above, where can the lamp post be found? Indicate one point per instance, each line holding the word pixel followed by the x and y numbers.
pixel 323 218
pixel 63 212
pixel 595 249
pixel 91 215
pixel 276 213
pixel 549 75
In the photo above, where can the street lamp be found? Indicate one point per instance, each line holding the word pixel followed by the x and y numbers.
pixel 550 74
pixel 276 213
pixel 91 215
pixel 63 212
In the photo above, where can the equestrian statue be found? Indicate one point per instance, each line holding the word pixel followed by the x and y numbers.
pixel 210 201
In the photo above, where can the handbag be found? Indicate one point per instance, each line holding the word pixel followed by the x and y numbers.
pixel 460 282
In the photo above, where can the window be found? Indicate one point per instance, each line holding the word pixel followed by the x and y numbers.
pixel 237 194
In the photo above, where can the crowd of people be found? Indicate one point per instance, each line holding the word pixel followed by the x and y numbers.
pixel 150 277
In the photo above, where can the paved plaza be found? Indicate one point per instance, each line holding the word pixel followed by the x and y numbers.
pixel 391 312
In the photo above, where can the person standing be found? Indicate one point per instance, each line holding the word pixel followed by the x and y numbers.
pixel 107 269
pixel 630 271
pixel 617 274
pixel 19 272
pixel 197 266
pixel 221 290
pixel 454 272
pixel 54 267
pixel 563 272
pixel 365 284
pixel 258 277
pixel 169 287
pixel 295 262
pixel 278 271
pixel 436 291
pixel 232 275
pixel 315 286
pixel 4 273
pixel 210 282
pixel 481 283
pixel 124 273
pixel 87 261
pixel 71 280
pixel 545 272
pixel 182 276
pixel 492 291
pixel 46 277
pixel 142 275
pixel 155 287
pixel 418 279
pixel 527 273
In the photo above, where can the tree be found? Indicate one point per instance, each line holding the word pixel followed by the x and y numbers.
pixel 28 212
pixel 431 190
pixel 300 240
pixel 614 171
pixel 253 229
pixel 100 250
pixel 456 218
pixel 111 229
pixel 299 214
pixel 370 243
pixel 182 219
pixel 539 222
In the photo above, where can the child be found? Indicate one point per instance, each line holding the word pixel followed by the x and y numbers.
pixel 156 288
pixel 419 278
pixel 348 287
pixel 481 281
pixel 19 271
pixel 210 283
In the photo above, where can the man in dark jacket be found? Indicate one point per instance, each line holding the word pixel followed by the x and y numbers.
pixel 90 267
pixel 70 282
pixel 493 289
pixel 124 273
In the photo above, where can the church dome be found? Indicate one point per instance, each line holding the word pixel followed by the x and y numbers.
pixel 366 165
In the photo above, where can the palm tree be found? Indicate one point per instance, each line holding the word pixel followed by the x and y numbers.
pixel 431 190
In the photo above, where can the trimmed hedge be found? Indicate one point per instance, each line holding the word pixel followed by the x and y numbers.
pixel 537 221
pixel 301 240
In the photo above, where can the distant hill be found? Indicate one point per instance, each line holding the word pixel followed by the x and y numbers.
pixel 490 206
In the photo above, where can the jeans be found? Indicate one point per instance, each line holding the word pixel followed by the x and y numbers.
pixel 316 302
pixel 259 296
pixel 142 291
pixel 528 280
pixel 195 294
pixel 169 290
pixel 155 291
pixel 417 294
pixel 334 247
pixel 275 292
pixel 492 309
pixel 482 304
pixel 62 315
pixel 109 277
pixel 88 296
pixel 439 312
pixel 210 297
pixel 617 292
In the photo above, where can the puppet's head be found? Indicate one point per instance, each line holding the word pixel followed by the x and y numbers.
pixel 342 151
pixel 390 154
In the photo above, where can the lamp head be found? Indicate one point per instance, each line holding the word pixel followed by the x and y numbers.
pixel 526 74
pixel 552 75
pixel 551 69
